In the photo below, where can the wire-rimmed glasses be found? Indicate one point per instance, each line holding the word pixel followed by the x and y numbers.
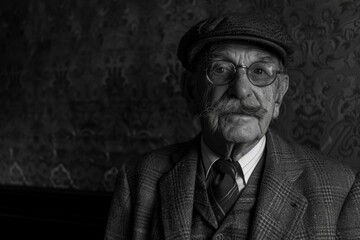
pixel 259 73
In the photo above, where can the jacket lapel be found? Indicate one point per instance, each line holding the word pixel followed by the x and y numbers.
pixel 201 199
pixel 281 206
pixel 177 194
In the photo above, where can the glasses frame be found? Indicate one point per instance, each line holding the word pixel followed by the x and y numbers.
pixel 236 70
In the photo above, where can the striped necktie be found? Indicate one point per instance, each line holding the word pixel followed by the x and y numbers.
pixel 223 190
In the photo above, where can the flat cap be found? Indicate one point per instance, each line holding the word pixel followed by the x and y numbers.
pixel 254 28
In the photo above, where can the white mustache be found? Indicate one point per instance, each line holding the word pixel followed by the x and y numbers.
pixel 234 106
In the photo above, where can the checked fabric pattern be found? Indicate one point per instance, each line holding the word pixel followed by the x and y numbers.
pixel 223 190
pixel 302 195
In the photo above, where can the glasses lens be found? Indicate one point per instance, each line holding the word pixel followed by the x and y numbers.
pixel 262 73
pixel 220 72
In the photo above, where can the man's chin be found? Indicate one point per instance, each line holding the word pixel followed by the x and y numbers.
pixel 237 130
pixel 240 135
pixel 240 140
pixel 238 119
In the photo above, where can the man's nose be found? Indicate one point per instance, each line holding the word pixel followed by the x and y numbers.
pixel 241 86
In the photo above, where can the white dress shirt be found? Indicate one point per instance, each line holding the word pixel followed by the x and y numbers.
pixel 247 162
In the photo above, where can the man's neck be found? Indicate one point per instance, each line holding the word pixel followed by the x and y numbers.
pixel 247 161
pixel 229 150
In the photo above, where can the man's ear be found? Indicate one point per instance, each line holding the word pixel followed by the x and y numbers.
pixel 280 93
pixel 188 88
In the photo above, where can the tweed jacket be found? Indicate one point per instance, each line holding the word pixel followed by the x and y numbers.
pixel 303 195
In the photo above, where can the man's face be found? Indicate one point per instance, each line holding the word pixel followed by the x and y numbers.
pixel 239 112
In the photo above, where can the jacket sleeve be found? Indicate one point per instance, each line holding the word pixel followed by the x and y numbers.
pixel 348 226
pixel 119 218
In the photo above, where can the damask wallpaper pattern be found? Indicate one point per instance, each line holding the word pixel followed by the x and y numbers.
pixel 88 84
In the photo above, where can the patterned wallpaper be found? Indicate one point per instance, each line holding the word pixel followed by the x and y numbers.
pixel 87 84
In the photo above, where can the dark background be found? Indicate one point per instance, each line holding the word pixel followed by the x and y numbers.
pixel 87 84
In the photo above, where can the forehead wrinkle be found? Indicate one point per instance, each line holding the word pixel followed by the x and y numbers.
pixel 240 53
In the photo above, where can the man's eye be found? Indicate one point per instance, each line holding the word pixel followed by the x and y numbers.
pixel 259 71
pixel 219 70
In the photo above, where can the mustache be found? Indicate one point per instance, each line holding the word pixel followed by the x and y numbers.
pixel 234 106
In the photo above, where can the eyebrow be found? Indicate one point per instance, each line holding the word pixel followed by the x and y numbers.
pixel 219 54
pixel 267 58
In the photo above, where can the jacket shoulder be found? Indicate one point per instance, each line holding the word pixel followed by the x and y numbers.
pixel 317 167
pixel 326 168
pixel 160 160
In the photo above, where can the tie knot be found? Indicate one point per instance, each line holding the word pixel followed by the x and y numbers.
pixel 228 167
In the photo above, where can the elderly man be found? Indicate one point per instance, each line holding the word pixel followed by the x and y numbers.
pixel 237 179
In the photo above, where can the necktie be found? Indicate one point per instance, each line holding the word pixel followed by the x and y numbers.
pixel 223 190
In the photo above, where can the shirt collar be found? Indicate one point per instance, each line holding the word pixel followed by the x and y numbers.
pixel 247 162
